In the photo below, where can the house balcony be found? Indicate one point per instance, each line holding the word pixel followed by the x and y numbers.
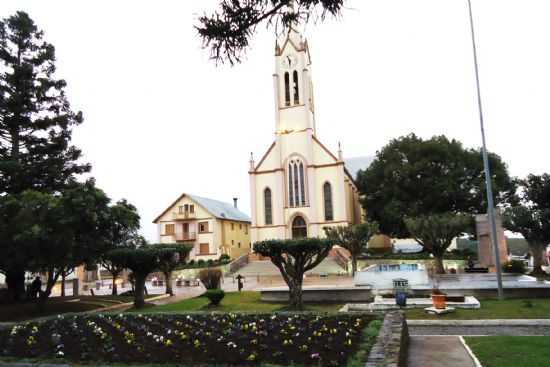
pixel 186 236
pixel 183 215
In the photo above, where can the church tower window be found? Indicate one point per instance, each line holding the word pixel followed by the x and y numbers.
pixel 267 206
pixel 287 89
pixel 295 85
pixel 296 183
pixel 299 227
pixel 327 198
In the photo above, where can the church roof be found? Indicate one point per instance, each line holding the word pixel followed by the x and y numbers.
pixel 355 164
pixel 218 209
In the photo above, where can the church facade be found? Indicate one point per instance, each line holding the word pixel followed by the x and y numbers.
pixel 298 186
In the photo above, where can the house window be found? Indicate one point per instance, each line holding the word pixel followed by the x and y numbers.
pixel 327 198
pixel 169 229
pixel 299 227
pixel 268 216
pixel 191 208
pixel 240 226
pixel 186 208
pixel 204 249
pixel 239 244
pixel 287 89
pixel 232 243
pixel 295 85
pixel 296 183
pixel 246 229
pixel 203 227
pixel 232 226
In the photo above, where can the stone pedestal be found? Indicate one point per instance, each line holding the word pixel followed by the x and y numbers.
pixel 485 247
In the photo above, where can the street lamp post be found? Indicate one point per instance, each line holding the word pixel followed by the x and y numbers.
pixel 488 182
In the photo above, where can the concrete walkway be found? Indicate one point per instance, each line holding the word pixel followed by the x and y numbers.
pixel 438 351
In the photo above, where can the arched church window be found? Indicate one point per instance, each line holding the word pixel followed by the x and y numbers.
pixel 296 183
pixel 267 206
pixel 295 87
pixel 287 89
pixel 299 227
pixel 327 198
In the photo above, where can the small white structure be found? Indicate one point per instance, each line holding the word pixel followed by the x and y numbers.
pixel 381 276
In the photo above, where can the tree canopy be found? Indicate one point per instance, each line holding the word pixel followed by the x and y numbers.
pixel 436 232
pixel 413 177
pixel 530 216
pixel 36 119
pixel 227 32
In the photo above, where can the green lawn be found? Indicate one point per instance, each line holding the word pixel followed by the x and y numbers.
pixel 537 308
pixel 232 302
pixel 511 351
pixel 58 305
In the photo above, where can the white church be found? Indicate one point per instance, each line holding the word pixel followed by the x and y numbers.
pixel 299 186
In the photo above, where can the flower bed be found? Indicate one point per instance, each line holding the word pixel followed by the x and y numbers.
pixel 232 339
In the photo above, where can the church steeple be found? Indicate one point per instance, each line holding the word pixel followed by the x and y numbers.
pixel 294 107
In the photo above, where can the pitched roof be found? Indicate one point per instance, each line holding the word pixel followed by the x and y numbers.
pixel 217 208
pixel 357 163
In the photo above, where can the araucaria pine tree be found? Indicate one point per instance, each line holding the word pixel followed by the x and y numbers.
pixel 36 121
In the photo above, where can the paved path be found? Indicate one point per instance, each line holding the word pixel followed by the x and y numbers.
pixel 480 330
pixel 438 351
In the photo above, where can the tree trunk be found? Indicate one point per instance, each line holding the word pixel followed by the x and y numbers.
pixel 438 261
pixel 537 253
pixel 139 286
pixel 15 281
pixel 295 290
pixel 63 284
pixel 353 265
pixel 168 280
pixel 115 290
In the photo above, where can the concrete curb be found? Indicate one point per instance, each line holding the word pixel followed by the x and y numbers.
pixel 472 355
pixel 495 322
pixel 127 304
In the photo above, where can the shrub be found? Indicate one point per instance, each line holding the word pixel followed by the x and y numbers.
pixel 191 262
pixel 215 296
pixel 210 278
pixel 210 262
pixel 200 262
pixel 514 266
pixel 225 258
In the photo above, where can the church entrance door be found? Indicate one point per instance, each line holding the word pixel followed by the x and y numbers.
pixel 299 227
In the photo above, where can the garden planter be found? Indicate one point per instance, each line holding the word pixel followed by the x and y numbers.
pixel 439 301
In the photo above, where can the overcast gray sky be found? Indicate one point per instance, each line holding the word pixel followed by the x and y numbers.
pixel 161 119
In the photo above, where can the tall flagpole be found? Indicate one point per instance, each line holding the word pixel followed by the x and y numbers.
pixel 488 182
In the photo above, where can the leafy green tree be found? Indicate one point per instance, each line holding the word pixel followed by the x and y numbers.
pixel 168 260
pixel 122 232
pixel 293 258
pixel 530 216
pixel 142 261
pixel 36 122
pixel 228 31
pixel 436 232
pixel 412 177
pixel 354 238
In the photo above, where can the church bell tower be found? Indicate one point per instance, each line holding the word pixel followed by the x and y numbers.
pixel 294 107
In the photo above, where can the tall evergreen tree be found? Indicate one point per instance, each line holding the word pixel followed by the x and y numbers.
pixel 36 120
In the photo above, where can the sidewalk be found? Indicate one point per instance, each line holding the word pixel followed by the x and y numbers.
pixel 438 351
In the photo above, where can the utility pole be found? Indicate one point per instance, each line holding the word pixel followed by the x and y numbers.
pixel 488 182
